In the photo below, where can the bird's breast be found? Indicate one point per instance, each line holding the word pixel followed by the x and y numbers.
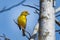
pixel 22 21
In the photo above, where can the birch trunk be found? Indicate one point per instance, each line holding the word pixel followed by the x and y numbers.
pixel 47 20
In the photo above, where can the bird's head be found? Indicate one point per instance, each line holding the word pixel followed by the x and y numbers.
pixel 25 13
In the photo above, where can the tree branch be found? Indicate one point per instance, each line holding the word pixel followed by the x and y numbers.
pixel 4 9
pixel 36 12
pixel 57 22
pixel 31 6
pixel 4 36
pixel 58 15
pixel 57 31
pixel 57 10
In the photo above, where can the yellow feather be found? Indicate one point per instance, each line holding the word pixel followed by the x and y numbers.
pixel 22 20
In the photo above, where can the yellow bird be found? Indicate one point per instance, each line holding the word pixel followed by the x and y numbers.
pixel 22 21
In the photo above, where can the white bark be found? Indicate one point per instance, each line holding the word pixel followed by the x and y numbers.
pixel 47 20
pixel 35 31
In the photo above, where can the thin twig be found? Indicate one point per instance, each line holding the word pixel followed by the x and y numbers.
pixel 3 10
pixel 1 36
pixel 57 30
pixel 4 36
pixel 57 22
pixel 58 15
pixel 57 10
pixel 31 6
pixel 27 37
pixel 36 12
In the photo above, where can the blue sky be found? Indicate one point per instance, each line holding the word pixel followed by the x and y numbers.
pixel 7 25
pixel 56 26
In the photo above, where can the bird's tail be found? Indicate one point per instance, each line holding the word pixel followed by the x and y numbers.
pixel 23 31
pixel 19 27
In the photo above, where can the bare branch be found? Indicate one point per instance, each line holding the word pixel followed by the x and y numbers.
pixel 15 22
pixel 57 31
pixel 1 36
pixel 57 22
pixel 4 9
pixel 31 6
pixel 24 29
pixel 4 36
pixel 58 15
pixel 57 10
pixel 7 39
pixel 36 12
